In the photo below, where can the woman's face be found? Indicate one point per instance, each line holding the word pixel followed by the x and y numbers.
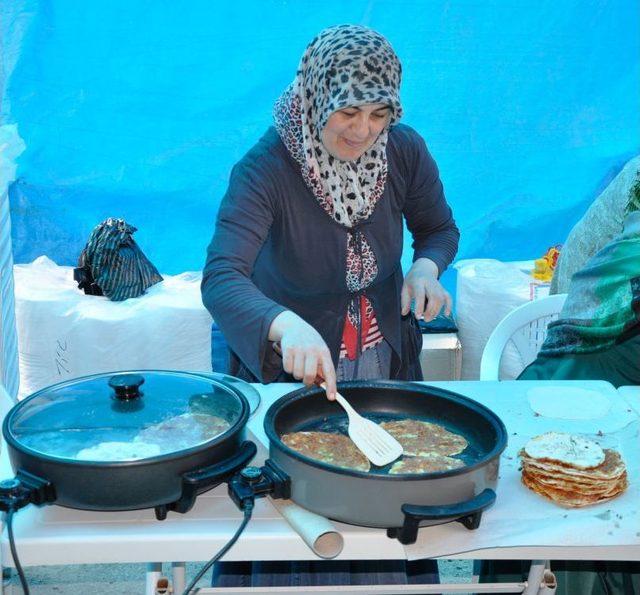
pixel 351 131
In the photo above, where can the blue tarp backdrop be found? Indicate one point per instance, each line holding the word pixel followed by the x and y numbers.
pixel 139 108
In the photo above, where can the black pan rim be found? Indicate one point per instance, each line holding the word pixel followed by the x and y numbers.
pixel 418 387
pixel 234 430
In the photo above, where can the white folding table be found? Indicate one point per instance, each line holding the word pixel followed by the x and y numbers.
pixel 53 535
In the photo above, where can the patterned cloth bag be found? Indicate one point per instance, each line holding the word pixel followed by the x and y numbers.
pixel 113 265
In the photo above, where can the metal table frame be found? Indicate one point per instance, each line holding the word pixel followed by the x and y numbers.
pixel 541 581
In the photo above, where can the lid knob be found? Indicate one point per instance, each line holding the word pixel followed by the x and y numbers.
pixel 127 386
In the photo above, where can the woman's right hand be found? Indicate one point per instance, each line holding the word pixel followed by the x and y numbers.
pixel 305 355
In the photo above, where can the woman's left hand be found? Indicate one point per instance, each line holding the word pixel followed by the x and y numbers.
pixel 421 284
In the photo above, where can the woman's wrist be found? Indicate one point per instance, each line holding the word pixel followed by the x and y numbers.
pixel 281 323
pixel 427 266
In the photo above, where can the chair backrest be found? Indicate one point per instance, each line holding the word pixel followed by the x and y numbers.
pixel 526 328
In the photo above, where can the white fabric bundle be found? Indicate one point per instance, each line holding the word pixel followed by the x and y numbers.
pixel 64 334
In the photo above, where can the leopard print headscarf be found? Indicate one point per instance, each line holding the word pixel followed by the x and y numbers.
pixel 344 66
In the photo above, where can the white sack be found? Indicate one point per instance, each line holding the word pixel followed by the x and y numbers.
pixel 64 334
pixel 487 290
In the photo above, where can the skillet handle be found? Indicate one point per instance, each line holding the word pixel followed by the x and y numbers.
pixel 215 474
pixel 196 482
pixel 468 513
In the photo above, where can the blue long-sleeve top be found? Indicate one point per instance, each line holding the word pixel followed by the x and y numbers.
pixel 274 248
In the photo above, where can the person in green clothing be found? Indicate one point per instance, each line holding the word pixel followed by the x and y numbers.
pixel 596 337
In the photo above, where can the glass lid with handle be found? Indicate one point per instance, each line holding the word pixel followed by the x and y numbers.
pixel 125 416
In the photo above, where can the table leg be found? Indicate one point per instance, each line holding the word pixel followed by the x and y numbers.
pixel 179 572
pixel 541 581
pixel 475 573
pixel 8 583
pixel 154 572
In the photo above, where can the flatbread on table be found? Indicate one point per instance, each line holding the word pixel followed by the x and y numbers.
pixel 423 439
pixel 430 464
pixel 332 448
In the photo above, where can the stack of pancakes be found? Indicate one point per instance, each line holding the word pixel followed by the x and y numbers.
pixel 571 470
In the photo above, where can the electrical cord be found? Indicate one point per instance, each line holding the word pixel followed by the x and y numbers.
pixel 14 553
pixel 248 510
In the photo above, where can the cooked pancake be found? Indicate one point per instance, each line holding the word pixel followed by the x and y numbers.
pixel 424 439
pixel 119 451
pixel 567 449
pixel 563 482
pixel 568 482
pixel 334 449
pixel 611 468
pixel 184 431
pixel 574 499
pixel 431 464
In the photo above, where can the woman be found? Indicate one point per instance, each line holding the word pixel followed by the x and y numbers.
pixel 306 250
pixel 307 246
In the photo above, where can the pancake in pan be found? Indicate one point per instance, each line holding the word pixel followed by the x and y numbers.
pixel 184 431
pixel 334 449
pixel 424 439
pixel 430 464
pixel 119 451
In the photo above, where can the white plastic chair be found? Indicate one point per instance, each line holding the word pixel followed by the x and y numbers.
pixel 526 328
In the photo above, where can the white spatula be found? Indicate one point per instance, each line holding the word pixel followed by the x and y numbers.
pixel 380 447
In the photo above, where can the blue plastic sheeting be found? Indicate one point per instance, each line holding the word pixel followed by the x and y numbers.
pixel 139 110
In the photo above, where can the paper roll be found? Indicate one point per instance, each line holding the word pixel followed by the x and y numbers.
pixel 316 531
